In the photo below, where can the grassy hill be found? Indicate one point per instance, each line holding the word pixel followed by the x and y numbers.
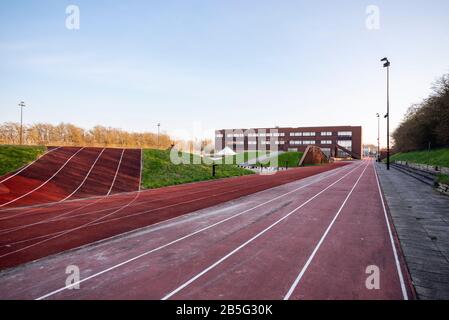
pixel 438 157
pixel 14 157
pixel 290 158
pixel 242 157
pixel 158 170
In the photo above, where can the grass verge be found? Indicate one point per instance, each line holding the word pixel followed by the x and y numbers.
pixel 14 157
pixel 291 159
pixel 438 157
pixel 443 178
pixel 158 169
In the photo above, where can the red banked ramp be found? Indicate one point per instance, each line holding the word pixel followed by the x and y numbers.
pixel 67 173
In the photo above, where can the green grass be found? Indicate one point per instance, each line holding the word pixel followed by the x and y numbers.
pixel 443 178
pixel 158 170
pixel 290 158
pixel 438 157
pixel 242 157
pixel 14 157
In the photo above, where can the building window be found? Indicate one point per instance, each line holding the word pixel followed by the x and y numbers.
pixel 345 133
pixel 308 134
pixel 307 142
pixel 345 144
pixel 252 142
pixel 219 135
pixel 279 142
pixel 295 134
pixel 292 149
pixel 295 142
pixel 326 141
pixel 326 133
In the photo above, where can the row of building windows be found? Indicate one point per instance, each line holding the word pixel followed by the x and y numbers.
pixel 344 143
pixel 282 134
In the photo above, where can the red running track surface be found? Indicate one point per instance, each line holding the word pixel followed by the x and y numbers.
pixel 30 233
pixel 310 239
pixel 68 173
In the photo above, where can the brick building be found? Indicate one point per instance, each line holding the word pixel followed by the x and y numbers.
pixel 339 141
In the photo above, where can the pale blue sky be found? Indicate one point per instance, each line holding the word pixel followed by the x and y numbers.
pixel 223 64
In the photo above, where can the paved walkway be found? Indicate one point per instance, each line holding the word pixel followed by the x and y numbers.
pixel 421 217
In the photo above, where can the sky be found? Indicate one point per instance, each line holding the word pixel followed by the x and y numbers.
pixel 196 66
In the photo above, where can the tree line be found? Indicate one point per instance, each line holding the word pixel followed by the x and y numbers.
pixel 66 134
pixel 426 124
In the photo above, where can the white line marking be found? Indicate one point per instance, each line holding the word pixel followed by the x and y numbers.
pixel 44 183
pixel 304 269
pixel 85 178
pixel 184 237
pixel 250 240
pixel 396 259
pixel 59 234
pixel 116 172
pixel 60 217
pixel 28 165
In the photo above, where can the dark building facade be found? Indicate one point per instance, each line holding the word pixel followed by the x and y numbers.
pixel 338 141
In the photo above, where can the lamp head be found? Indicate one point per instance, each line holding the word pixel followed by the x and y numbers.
pixel 386 62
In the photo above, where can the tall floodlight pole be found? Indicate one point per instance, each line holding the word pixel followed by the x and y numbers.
pixel 378 137
pixel 158 128
pixel 21 105
pixel 387 65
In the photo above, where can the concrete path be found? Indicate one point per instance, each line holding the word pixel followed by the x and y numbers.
pixel 421 218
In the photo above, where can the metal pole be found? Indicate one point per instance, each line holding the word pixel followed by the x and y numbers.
pixel 388 117
pixel 21 124
pixel 21 105
pixel 378 137
pixel 158 126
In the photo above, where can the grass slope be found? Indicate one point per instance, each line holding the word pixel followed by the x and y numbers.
pixel 438 157
pixel 14 157
pixel 158 170
pixel 242 157
pixel 290 158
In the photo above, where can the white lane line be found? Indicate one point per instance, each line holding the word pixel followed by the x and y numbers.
pixel 44 183
pixel 60 217
pixel 185 284
pixel 317 247
pixel 187 236
pixel 28 165
pixel 59 234
pixel 116 173
pixel 85 178
pixel 396 259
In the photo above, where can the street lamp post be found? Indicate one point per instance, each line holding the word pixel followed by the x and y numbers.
pixel 387 65
pixel 378 137
pixel 21 105
pixel 158 127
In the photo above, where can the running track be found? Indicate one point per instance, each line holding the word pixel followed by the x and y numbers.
pixel 30 233
pixel 308 239
pixel 67 173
